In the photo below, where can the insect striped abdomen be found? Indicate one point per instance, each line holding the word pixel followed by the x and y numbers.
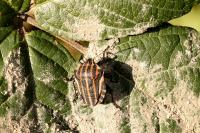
pixel 90 82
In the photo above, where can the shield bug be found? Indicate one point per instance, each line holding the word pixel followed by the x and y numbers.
pixel 89 79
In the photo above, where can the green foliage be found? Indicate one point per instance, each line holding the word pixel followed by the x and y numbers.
pixel 6 14
pixel 30 73
pixel 51 66
pixel 166 69
pixel 170 126
pixel 52 99
pixel 48 69
pixel 40 1
pixel 125 127
pixel 19 5
pixel 1 67
pixel 11 42
pixel 4 32
pixel 155 122
pixel 102 19
pixel 165 55
pixel 52 49
pixel 158 69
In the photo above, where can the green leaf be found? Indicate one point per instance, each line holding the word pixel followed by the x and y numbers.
pixel 18 5
pixel 37 72
pixel 3 85
pixel 2 81
pixel 47 46
pixel 15 88
pixel 166 70
pixel 170 126
pixel 25 6
pixel 3 89
pixel 14 104
pixel 102 19
pixel 6 14
pixel 164 57
pixel 40 1
pixel 1 67
pixel 51 65
pixel 4 32
pixel 53 99
pixel 11 42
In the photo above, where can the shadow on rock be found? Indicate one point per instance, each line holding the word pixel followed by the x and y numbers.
pixel 118 78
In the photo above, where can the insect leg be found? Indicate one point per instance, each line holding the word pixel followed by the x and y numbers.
pixel 104 52
pixel 102 95
pixel 82 59
pixel 102 90
pixel 70 79
pixel 75 93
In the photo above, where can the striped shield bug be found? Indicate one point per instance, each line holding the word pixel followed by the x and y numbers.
pixel 89 79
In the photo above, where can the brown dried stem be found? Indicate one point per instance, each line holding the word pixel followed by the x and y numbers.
pixel 72 43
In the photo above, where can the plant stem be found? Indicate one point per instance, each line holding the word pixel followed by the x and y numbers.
pixel 66 42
